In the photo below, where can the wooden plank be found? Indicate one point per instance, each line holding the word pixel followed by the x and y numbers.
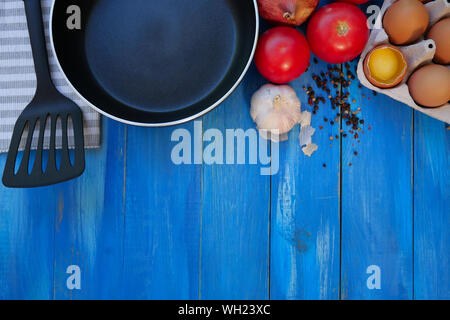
pixel 431 209
pixel 377 200
pixel 305 205
pixel 89 223
pixel 162 219
pixel 26 241
pixel 305 208
pixel 235 212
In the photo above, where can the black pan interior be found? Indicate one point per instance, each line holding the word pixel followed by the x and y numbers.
pixel 153 61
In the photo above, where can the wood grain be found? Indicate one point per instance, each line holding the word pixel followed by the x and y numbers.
pixel 431 209
pixel 305 231
pixel 89 222
pixel 305 209
pixel 235 213
pixel 162 219
pixel 26 241
pixel 377 200
pixel 142 227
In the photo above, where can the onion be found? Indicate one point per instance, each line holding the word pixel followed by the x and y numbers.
pixel 287 12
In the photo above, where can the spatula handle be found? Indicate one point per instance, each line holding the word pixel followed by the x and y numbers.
pixel 38 45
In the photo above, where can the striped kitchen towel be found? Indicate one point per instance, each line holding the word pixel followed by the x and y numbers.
pixel 18 79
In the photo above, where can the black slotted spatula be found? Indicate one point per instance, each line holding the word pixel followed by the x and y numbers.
pixel 48 105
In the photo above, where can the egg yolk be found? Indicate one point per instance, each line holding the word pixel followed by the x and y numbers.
pixel 385 65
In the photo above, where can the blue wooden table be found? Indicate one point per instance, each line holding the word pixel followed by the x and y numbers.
pixel 139 226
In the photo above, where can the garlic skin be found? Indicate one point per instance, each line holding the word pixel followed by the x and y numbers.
pixel 310 149
pixel 275 109
pixel 306 133
pixel 305 118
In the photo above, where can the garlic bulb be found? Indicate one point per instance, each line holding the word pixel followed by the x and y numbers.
pixel 275 109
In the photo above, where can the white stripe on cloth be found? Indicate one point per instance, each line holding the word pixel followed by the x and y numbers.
pixel 18 81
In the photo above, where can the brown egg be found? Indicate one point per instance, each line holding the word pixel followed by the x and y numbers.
pixel 429 86
pixel 440 33
pixel 405 21
pixel 385 66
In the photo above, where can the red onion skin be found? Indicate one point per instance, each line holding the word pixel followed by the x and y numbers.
pixel 287 12
pixel 356 1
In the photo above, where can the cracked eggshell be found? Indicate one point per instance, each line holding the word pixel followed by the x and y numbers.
pixel 399 74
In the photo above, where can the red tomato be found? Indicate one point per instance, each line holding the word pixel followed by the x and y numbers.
pixel 355 1
pixel 282 54
pixel 338 32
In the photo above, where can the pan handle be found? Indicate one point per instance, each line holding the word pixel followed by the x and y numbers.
pixel 38 45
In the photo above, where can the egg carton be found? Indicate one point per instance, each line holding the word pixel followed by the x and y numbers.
pixel 417 55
